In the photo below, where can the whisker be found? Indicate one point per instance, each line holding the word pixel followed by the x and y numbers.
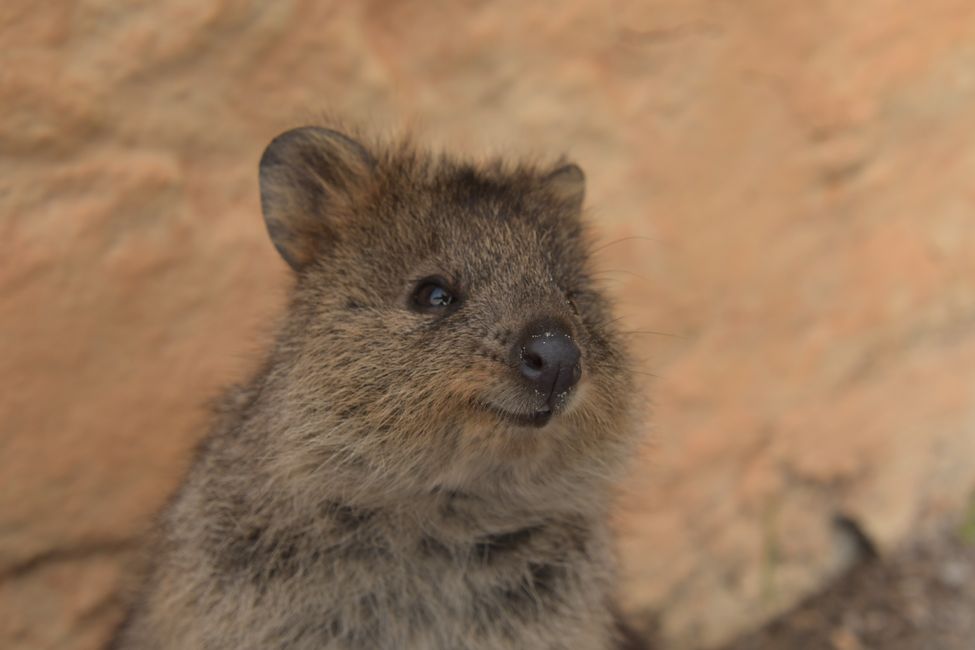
pixel 647 374
pixel 644 332
pixel 624 239
pixel 623 271
pixel 654 332
pixel 613 321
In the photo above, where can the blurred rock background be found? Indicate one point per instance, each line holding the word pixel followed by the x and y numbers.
pixel 786 190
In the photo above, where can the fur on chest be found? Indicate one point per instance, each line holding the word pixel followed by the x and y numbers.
pixel 452 578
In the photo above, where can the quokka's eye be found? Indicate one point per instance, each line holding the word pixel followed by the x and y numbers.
pixel 432 295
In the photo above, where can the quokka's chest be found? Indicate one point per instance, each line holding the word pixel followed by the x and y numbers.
pixel 355 579
pixel 529 587
pixel 508 590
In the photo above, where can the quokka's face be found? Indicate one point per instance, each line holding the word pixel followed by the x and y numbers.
pixel 438 297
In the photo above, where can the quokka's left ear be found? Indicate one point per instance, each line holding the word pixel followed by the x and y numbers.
pixel 567 184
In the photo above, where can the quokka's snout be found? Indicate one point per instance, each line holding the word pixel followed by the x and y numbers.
pixel 546 363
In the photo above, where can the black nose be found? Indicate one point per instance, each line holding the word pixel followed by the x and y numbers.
pixel 548 358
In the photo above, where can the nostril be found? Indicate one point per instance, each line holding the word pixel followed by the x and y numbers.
pixel 532 360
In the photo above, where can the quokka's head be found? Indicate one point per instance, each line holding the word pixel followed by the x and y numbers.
pixel 445 320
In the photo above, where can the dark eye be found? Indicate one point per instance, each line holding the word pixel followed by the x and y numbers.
pixel 432 294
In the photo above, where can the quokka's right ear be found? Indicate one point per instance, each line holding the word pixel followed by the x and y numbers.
pixel 309 178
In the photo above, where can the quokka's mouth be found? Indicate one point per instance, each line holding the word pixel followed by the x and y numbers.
pixel 536 419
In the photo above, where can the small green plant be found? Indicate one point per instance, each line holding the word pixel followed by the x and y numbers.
pixel 967 528
pixel 771 554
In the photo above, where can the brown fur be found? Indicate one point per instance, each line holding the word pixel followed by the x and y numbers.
pixel 362 491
